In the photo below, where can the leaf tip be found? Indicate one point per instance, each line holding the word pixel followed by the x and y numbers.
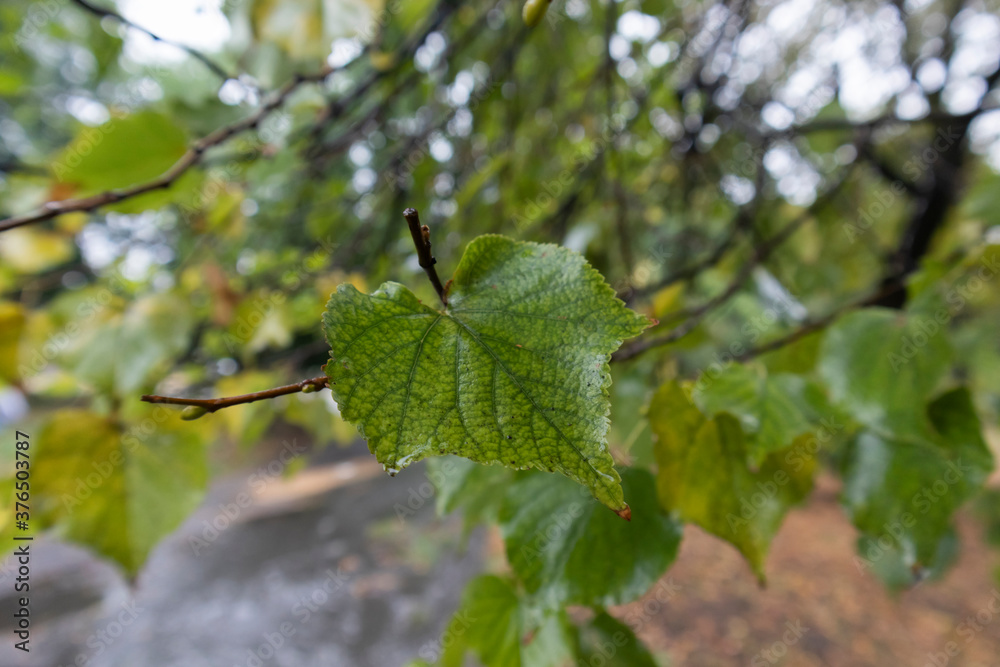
pixel 625 513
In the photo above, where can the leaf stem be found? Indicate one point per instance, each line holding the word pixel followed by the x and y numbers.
pixel 213 404
pixel 422 240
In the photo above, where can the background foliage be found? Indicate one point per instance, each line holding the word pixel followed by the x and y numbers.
pixel 803 193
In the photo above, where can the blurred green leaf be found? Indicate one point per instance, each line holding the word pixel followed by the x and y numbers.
pixel 606 641
pixel 493 624
pixel 902 493
pixel 773 410
pixel 882 365
pixel 124 353
pixel 567 549
pixel 125 151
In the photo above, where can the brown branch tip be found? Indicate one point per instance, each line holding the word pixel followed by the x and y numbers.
pixel 421 235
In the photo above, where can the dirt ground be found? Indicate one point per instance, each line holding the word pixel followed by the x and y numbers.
pixel 818 607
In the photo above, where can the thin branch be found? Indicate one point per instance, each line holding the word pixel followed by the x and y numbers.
pixel 694 316
pixel 213 404
pixel 192 157
pixel 836 124
pixel 813 325
pixel 194 53
pixel 422 240
pixel 334 109
pixel 741 222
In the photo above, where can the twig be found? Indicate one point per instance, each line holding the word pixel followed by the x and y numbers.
pixel 192 157
pixel 422 240
pixel 198 55
pixel 213 404
pixel 694 316
pixel 819 323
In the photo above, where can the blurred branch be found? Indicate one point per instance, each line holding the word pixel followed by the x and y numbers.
pixel 194 155
pixel 937 200
pixel 213 404
pixel 741 221
pixel 694 316
pixel 194 53
pixel 191 158
pixel 335 108
pixel 817 324
pixel 839 124
pixel 888 171
pixel 15 166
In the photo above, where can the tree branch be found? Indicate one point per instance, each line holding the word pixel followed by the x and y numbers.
pixel 695 315
pixel 813 325
pixel 192 157
pixel 198 55
pixel 422 240
pixel 213 404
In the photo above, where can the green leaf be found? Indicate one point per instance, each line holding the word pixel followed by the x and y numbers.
pixel 705 478
pixel 514 371
pixel 493 623
pixel 607 642
pixel 123 354
pixel 122 152
pixel 774 410
pixel 902 493
pixel 117 490
pixel 459 482
pixel 882 366
pixel 567 549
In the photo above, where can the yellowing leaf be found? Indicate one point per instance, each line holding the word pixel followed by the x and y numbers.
pixel 12 320
pixel 30 250
pixel 705 477
pixel 667 299
pixel 116 489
